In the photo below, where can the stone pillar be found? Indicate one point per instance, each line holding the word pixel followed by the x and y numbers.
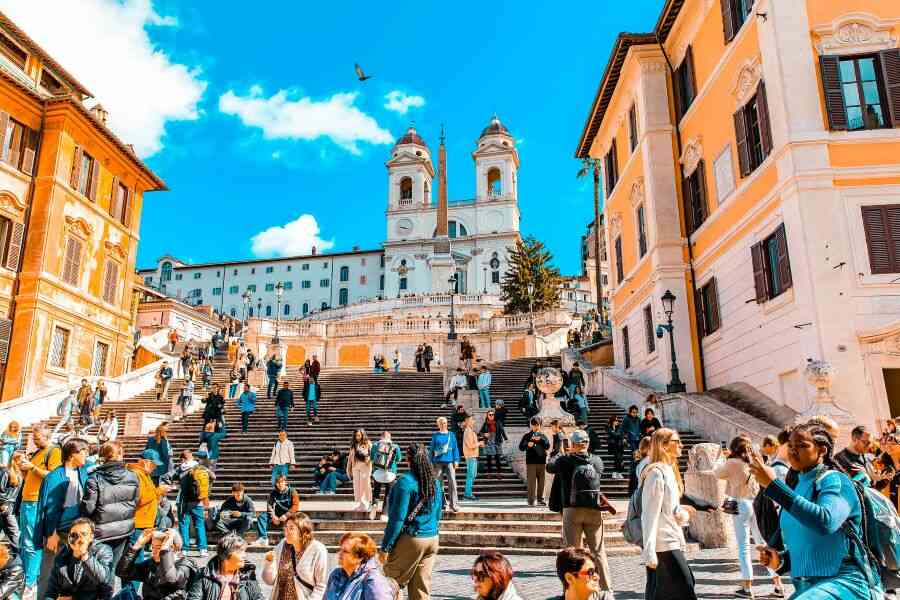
pixel 712 530
pixel 820 375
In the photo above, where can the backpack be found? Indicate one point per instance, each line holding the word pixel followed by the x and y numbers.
pixel 584 491
pixel 190 487
pixel 632 530
pixel 768 514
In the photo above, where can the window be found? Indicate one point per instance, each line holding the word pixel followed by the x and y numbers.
pixel 288 268
pixel 51 83
pixel 198 275
pixel 19 144
pixel 325 265
pixel 233 311
pixel 268 310
pixel 403 283
pixel 611 168
pixel 253 270
pixel 406 189
pixel 167 271
pixel 381 257
pixel 270 269
pixel 381 282
pixel 71 270
pixel 12 52
pixel 59 348
pixel 363 280
pixel 101 353
pixel 110 281
pixel 632 127
pixel 148 280
pixel 85 174
pixel 345 273
pixel 217 291
pixel 641 232
pixel 620 270
pixel 734 14
pixel 323 283
pixel 694 196
pixel 118 208
pixel 250 312
pixel 288 285
pixel 233 289
pixel 455 229
pixel 270 287
pixel 218 273
pixel 251 288
pixel 305 267
pixel 771 266
pixel 305 308
pixel 859 89
pixel 684 84
pixel 234 272
pixel 882 226
pixel 343 296
pixel 626 349
pixel 363 261
pixel 305 284
pixel 178 276
pixel 753 131
pixel 495 276
pixel 605 279
pixel 649 330
pixel 287 310
pixel 707 301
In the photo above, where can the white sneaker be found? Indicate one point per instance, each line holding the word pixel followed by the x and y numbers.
pixel 204 553
pixel 29 593
pixel 264 542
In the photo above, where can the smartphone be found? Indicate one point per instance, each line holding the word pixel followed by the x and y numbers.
pixel 566 443
pixel 724 446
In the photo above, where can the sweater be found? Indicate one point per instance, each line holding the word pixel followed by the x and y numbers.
pixel 247 402
pixel 470 444
pixel 311 567
pixel 282 453
pixel 661 514
pixel 739 483
pixel 230 504
pixel 537 453
pixel 632 427
pixel 442 448
pixel 403 498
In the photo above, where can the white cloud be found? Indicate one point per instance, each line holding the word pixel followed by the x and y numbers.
pixel 280 117
pixel 296 237
pixel 399 102
pixel 104 45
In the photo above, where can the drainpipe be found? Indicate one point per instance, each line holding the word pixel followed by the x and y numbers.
pixel 689 245
pixel 18 281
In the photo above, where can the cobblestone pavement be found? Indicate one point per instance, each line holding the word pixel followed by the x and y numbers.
pixel 716 572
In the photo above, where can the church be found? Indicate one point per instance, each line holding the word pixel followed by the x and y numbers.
pixel 430 246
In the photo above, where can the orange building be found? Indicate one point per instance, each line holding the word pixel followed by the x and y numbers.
pixel 752 167
pixel 70 205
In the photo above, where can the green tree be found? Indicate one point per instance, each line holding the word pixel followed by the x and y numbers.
pixel 529 262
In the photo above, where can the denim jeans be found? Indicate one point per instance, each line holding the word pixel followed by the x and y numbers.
pixel 471 472
pixel 281 414
pixel 232 390
pixel 330 483
pixel 262 525
pixel 484 398
pixel 245 421
pixel 272 387
pixel 312 407
pixel 192 512
pixel 744 525
pixel 31 556
pixel 278 470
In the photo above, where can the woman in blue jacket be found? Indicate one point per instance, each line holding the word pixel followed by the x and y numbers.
pixel 824 561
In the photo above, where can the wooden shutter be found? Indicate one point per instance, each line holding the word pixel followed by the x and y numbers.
pixel 626 347
pixel 632 126
pixel 698 310
pixel 113 196
pixel 29 153
pixel 15 145
pixel 882 257
pixel 687 199
pixel 94 180
pixel 620 270
pixel 690 80
pixel 890 71
pixel 834 96
pixel 676 94
pixel 5 336
pixel 784 261
pixel 649 333
pixel 72 261
pixel 728 20
pixel 765 123
pixel 14 252
pixel 126 208
pixel 712 305
pixel 759 272
pixel 76 168
pixel 743 144
pixel 110 281
pixel 4 123
pixel 701 199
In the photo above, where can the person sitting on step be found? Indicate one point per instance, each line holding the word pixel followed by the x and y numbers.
pixel 236 513
pixel 337 473
pixel 283 501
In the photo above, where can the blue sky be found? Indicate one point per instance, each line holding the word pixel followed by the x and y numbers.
pixel 240 159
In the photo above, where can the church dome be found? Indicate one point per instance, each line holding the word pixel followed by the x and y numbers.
pixel 495 127
pixel 411 137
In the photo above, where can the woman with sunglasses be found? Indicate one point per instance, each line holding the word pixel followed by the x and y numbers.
pixel 578 574
pixel 492 577
pixel 493 434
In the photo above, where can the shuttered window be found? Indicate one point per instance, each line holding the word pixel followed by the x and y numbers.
pixel 707 304
pixel 684 84
pixel 771 266
pixel 118 205
pixel 649 330
pixel 611 168
pixel 18 146
pixel 59 348
pixel 641 231
pixel 753 131
pixel 5 338
pixel 694 196
pixel 72 261
pixel 626 348
pixel 620 269
pixel 862 92
pixel 110 281
pixel 101 356
pixel 882 226
pixel 13 52
pixel 632 127
pixel 734 14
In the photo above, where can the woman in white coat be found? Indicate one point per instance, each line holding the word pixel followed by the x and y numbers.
pixel 299 562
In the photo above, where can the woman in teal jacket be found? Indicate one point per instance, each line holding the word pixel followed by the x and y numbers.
pixel 823 560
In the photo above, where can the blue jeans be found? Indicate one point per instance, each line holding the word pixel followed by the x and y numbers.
pixel 192 512
pixel 279 470
pixel 245 421
pixel 312 407
pixel 484 398
pixel 745 524
pixel 139 558
pixel 31 556
pixel 262 525
pixel 281 414
pixel 273 386
pixel 232 390
pixel 397 368
pixel 471 472
pixel 330 483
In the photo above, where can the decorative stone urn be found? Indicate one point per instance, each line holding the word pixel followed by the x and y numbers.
pixel 548 381
pixel 820 374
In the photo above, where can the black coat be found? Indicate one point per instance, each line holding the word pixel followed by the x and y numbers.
pixel 88 579
pixel 499 432
pixel 12 579
pixel 214 407
pixel 563 465
pixel 110 497
pixel 206 587
pixel 161 580
pixel 537 454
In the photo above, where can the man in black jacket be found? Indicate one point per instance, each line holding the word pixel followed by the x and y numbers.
pixel 12 575
pixel 284 402
pixel 214 405
pixel 166 573
pixel 83 570
pixel 427 357
pixel 535 446
pixel 236 512
pixel 111 495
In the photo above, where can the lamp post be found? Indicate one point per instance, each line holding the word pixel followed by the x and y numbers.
pixel 530 308
pixel 452 334
pixel 675 385
pixel 247 298
pixel 279 292
pixel 485 279
pixel 259 308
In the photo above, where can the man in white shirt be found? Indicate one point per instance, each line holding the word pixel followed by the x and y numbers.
pixel 457 382
pixel 282 456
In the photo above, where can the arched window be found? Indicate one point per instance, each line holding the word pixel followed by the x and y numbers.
pixel 268 310
pixel 403 281
pixel 343 296
pixel 324 306
pixel 305 308
pixel 494 185
pixel 455 229
pixel 287 309
pixel 167 271
pixel 495 268
pixel 345 273
pixel 233 311
pixel 406 188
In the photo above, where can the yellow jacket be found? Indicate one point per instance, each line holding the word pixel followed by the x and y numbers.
pixel 148 501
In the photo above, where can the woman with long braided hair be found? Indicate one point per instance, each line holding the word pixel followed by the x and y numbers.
pixel 410 544
pixel 824 560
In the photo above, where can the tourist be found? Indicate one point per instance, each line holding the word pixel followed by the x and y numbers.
pixel 282 456
pixel 283 501
pixel 66 409
pixel 457 423
pixel 500 412
pixel 535 446
pixel 31 539
pixel 580 501
pixel 386 457
pixel 649 423
pixel 615 444
pixel 816 516
pixel 420 367
pixel 297 568
pixel 10 486
pixel 163 381
pixel 427 357
pixel 284 402
pixel 111 495
pixel 579 575
pixel 397 358
pixel 12 575
pixel 493 434
pixel 492 577
pixel 251 361
pixel 639 462
pixel 159 443
pixel 631 425
pixel 236 513
pixel 234 380
pixel 444 456
pixel 314 369
pixel 467 353
pixel 84 567
pixel 580 404
pixel 149 494
pixel 228 575
pixel 471 446
pixel 337 473
pixel 184 363
pixel 358 576
pixel 273 370
pixel 855 458
pixel 185 400
pixel 359 466
pixel 557 436
pixel 247 405
pixel 411 534
pixel 484 388
pixel 576 378
pixel 193 500
pixel 108 429
pixel 312 393
pixel 214 405
pixel 165 574
pixel 320 473
pixel 213 433
pixel 889 428
pixel 207 373
pixel 528 405
pixel 173 339
pixel 85 399
pixel 457 382
pixel 377 364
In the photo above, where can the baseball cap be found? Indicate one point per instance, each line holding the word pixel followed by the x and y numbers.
pixel 579 436
pixel 152 455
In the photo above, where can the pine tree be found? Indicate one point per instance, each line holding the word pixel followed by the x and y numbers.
pixel 530 263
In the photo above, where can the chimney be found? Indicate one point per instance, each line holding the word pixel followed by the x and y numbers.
pixel 100 113
pixel 313 250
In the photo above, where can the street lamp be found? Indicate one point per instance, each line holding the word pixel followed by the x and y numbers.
pixel 259 308
pixel 668 300
pixel 279 292
pixel 485 280
pixel 247 298
pixel 530 308
pixel 452 334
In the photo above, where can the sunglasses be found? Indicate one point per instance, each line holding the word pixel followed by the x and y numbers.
pixel 74 536
pixel 589 573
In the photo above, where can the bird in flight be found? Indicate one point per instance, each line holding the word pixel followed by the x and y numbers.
pixel 361 74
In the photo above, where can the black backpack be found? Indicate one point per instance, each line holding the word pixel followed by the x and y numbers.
pixel 584 489
pixel 768 515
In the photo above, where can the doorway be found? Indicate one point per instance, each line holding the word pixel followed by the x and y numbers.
pixel 892 387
